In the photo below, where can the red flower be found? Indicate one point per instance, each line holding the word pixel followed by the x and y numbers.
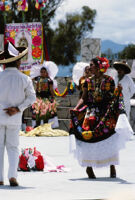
pixel 36 52
pixel 103 63
pixel 9 39
pixel 36 153
pixel 36 41
pixel 29 128
pixel 39 163
pixel 23 163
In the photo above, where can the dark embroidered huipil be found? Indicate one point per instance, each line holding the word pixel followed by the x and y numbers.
pixel 96 121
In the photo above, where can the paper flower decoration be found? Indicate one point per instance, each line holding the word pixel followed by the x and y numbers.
pixel 4 5
pixel 31 159
pixel 40 4
pixel 22 5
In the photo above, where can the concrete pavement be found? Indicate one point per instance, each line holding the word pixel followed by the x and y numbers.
pixel 72 185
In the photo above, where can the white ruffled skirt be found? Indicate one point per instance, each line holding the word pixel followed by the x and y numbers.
pixel 103 153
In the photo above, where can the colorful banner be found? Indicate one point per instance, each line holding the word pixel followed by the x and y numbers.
pixel 27 35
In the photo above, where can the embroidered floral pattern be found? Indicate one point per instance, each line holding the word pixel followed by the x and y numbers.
pixel 36 41
pixel 103 112
pixel 36 53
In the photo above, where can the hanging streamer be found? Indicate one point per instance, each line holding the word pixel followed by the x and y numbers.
pixel 4 5
pixel 22 5
pixel 40 4
pixel 70 89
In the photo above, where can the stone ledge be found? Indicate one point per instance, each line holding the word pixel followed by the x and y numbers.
pixel 63 112
pixel 64 124
pixel 69 100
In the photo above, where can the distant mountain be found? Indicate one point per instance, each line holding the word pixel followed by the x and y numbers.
pixel 108 44
pixel 105 45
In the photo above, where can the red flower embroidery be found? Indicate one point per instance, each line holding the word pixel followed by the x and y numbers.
pixel 36 41
pixel 111 123
pixel 36 52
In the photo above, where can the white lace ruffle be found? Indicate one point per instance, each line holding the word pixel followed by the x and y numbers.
pixel 50 66
pixel 105 152
pixel 78 71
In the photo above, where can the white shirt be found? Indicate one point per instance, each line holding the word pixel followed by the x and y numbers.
pixel 128 89
pixel 16 89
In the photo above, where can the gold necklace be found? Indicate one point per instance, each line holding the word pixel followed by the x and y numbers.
pixel 97 93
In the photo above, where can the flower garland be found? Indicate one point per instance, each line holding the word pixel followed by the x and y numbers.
pixel 70 89
pixel 30 159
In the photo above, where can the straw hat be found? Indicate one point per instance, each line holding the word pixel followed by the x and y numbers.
pixel 12 53
pixel 123 65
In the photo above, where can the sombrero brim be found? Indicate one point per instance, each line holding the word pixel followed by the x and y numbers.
pixel 124 66
pixel 14 58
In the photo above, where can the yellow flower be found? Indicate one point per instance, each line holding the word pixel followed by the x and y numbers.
pixel 36 5
pixel 12 34
pixel 34 33
pixel 107 86
pixel 89 86
pixel 7 7
pixel 102 70
pixel 82 81
pixel 87 135
pixel 116 91
pixel 26 9
pixel 19 3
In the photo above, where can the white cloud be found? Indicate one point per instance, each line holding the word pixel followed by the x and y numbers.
pixel 115 19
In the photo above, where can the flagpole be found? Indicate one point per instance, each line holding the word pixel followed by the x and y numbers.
pixel 41 15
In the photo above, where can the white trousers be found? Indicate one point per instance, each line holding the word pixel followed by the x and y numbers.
pixel 9 139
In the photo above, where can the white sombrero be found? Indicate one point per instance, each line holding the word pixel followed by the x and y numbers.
pixel 12 53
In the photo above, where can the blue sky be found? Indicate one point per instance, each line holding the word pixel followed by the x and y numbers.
pixel 115 19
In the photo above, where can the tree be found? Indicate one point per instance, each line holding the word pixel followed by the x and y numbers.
pixel 128 52
pixel 65 43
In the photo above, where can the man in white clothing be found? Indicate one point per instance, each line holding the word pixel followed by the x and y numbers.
pixel 126 82
pixel 16 94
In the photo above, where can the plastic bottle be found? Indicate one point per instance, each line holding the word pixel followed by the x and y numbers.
pixel 86 124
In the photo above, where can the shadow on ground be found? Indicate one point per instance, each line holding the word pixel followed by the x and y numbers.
pixel 103 179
